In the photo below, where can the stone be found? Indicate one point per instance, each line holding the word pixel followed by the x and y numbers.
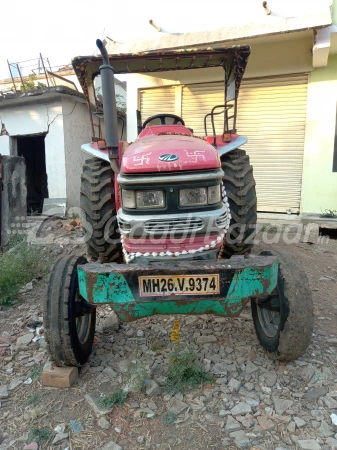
pixel 234 385
pixel 314 394
pixel 103 422
pixel 281 404
pixel 60 437
pixel 14 383
pixel 334 419
pixel 240 438
pixel 251 402
pixel 219 370
pixel 248 423
pixel 140 439
pixel 332 442
pixel 190 320
pixel 23 341
pixel 291 427
pixel 330 401
pixel 178 406
pixel 59 376
pixel 60 428
pixel 327 279
pixel 111 445
pixel 224 412
pixel 94 400
pixel 33 413
pixel 241 409
pixel 251 368
pixel 270 378
pixel 4 391
pixel 265 422
pixel 299 422
pixel 206 339
pixel 109 372
pixel 140 333
pixel 110 323
pixel 152 388
pixel 309 444
pixel 266 390
pixel 332 342
pixel 161 380
pixel 325 430
pixel 123 365
pixel 232 425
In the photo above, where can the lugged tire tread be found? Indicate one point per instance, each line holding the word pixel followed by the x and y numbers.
pixel 98 205
pixel 240 189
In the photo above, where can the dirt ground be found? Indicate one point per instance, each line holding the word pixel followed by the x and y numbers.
pixel 288 405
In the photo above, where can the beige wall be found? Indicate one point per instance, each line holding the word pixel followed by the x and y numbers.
pixel 319 191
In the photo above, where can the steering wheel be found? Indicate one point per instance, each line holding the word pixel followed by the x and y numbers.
pixel 163 117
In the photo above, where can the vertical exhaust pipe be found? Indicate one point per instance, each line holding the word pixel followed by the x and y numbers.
pixel 109 107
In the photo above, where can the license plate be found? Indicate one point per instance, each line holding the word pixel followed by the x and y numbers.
pixel 179 284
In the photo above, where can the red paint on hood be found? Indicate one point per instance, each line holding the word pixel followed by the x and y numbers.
pixel 193 154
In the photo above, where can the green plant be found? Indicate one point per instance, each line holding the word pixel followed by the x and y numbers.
pixel 115 398
pixel 120 103
pixel 329 214
pixel 185 372
pixel 20 265
pixel 74 216
pixel 169 418
pixel 36 372
pixel 39 434
pixel 29 83
pixel 32 400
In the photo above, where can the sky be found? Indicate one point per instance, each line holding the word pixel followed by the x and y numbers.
pixel 62 29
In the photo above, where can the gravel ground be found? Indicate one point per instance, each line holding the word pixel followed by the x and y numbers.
pixel 255 402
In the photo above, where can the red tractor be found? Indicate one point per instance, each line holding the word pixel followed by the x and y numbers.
pixel 170 221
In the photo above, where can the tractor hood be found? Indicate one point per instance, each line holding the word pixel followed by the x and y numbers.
pixel 169 153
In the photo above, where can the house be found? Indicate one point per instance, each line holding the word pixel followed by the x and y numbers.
pixel 287 103
pixel 47 126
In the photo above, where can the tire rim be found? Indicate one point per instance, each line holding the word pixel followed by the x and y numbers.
pixel 83 324
pixel 269 321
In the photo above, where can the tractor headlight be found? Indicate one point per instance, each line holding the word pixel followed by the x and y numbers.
pixel 214 194
pixel 200 196
pixel 193 196
pixel 143 199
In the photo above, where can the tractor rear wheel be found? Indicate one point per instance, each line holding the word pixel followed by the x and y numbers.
pixel 284 320
pixel 99 211
pixel 239 184
pixel 69 321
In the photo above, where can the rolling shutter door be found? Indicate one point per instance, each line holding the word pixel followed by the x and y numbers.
pixel 198 100
pixel 157 101
pixel 272 113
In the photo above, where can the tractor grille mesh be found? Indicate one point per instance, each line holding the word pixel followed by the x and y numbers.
pixel 222 220
pixel 180 225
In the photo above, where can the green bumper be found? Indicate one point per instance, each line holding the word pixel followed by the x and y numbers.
pixel 239 280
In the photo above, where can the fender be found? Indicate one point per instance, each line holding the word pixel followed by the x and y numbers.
pixel 239 142
pixel 93 150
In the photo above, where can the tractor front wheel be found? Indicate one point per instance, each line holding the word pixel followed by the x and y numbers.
pixel 98 206
pixel 69 321
pixel 240 189
pixel 284 321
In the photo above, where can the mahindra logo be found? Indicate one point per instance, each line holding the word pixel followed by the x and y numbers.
pixel 168 157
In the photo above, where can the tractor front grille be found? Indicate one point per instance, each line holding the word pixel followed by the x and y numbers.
pixel 222 220
pixel 178 225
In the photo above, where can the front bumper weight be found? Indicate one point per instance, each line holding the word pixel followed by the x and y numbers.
pixel 239 280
